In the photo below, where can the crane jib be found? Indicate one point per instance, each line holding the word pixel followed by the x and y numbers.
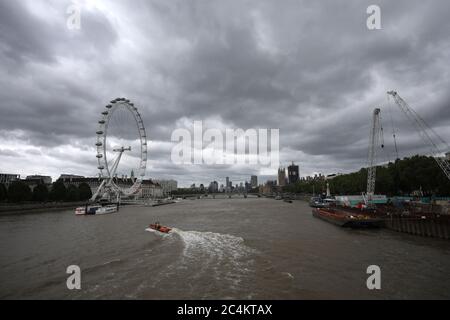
pixel 430 137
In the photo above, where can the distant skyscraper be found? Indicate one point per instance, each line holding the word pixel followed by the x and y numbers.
pixel 282 177
pixel 293 173
pixel 213 186
pixel 254 181
pixel 227 184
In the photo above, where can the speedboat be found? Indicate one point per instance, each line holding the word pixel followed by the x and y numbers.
pixel 160 228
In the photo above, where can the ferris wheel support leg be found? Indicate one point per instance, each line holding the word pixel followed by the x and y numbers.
pixel 94 197
pixel 115 165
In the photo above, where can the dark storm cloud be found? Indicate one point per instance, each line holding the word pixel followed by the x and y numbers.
pixel 39 95
pixel 310 68
pixel 29 38
pixel 19 39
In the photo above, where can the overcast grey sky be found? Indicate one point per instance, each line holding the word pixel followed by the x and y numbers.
pixel 310 68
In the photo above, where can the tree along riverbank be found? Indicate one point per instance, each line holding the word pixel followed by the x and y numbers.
pixel 22 208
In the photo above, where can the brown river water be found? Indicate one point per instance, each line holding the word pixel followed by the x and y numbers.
pixel 220 249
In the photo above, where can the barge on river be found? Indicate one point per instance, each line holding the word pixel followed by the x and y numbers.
pixel 347 218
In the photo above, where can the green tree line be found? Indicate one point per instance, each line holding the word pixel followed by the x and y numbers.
pixel 19 191
pixel 402 177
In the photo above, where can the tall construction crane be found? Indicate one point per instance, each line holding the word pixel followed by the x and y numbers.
pixel 436 144
pixel 376 133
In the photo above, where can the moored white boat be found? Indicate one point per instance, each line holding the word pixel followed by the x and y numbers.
pixel 80 211
pixel 87 210
pixel 107 209
pixel 97 209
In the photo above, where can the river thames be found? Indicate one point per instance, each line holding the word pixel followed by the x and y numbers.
pixel 220 249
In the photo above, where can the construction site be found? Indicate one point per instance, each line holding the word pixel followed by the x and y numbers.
pixel 414 214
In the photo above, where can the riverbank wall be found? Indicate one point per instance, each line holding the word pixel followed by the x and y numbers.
pixel 7 209
pixel 435 227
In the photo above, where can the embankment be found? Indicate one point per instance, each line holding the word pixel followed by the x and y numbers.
pixel 24 208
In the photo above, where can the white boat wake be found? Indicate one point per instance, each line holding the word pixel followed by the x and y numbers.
pixel 220 257
pixel 212 245
pixel 208 262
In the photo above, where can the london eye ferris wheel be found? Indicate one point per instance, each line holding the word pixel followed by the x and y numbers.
pixel 121 150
